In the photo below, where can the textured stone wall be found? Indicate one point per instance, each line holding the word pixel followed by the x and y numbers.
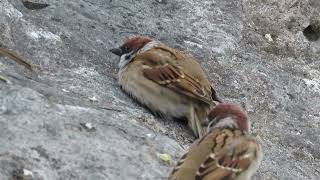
pixel 262 54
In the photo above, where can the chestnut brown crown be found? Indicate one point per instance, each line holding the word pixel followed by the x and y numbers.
pixel 235 112
pixel 131 45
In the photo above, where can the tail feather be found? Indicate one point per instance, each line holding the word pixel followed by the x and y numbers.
pixel 198 121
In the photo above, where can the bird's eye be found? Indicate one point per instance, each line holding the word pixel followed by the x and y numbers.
pixel 126 49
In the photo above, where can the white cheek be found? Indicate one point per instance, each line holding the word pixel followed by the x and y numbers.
pixel 226 122
pixel 124 60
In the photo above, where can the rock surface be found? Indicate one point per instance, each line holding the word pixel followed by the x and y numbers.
pixel 263 54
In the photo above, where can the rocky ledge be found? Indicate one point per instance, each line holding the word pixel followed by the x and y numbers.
pixel 69 120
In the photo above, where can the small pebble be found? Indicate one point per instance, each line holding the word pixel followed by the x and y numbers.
pixel 268 37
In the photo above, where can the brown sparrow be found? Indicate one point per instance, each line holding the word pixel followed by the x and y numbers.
pixel 227 151
pixel 167 81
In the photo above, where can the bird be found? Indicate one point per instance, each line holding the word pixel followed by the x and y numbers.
pixel 227 151
pixel 167 81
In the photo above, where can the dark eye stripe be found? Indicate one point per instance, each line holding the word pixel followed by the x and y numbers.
pixel 125 49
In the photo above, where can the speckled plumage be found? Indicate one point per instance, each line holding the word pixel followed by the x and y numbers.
pixel 167 81
pixel 227 151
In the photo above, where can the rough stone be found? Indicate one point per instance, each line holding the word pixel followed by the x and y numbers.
pixel 42 112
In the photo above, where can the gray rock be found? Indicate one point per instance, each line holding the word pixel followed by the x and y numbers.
pixel 262 54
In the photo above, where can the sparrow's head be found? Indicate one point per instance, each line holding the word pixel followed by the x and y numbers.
pixel 228 116
pixel 131 46
pixel 129 49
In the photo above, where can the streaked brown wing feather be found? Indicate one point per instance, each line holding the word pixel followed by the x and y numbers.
pixel 230 161
pixel 174 78
pixel 224 161
pixel 188 164
pixel 171 68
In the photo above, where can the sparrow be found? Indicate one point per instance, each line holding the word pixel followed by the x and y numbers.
pixel 227 151
pixel 166 80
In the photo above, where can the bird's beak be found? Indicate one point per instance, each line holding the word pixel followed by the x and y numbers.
pixel 215 98
pixel 116 51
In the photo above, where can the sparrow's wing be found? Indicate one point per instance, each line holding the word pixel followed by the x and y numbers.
pixel 162 66
pixel 190 162
pixel 230 161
